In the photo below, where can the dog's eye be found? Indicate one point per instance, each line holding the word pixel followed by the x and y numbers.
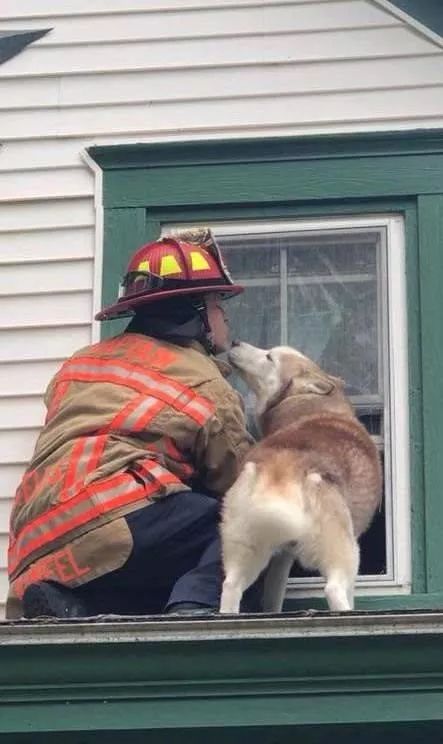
pixel 269 356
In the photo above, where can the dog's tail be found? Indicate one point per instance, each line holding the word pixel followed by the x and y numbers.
pixel 243 486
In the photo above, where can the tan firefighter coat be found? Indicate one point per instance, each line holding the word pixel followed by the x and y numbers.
pixel 129 420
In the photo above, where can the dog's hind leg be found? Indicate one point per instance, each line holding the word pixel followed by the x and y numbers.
pixel 340 575
pixel 243 565
pixel 330 545
pixel 338 593
pixel 276 580
pixel 243 558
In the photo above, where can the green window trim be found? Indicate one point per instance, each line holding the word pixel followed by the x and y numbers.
pixel 146 186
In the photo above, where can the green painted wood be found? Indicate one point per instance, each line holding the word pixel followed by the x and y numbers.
pixel 386 733
pixel 203 214
pixel 152 228
pixel 244 710
pixel 358 178
pixel 124 230
pixel 275 149
pixel 376 603
pixel 418 524
pixel 430 225
pixel 292 682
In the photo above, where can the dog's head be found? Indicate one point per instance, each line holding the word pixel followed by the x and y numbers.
pixel 274 374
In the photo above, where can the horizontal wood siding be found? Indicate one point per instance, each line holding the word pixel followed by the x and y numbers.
pixel 114 71
pixel 271 18
pixel 203 52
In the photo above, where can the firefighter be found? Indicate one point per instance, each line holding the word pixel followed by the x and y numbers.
pixel 118 509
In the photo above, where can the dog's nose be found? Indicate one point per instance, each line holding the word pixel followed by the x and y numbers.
pixel 236 342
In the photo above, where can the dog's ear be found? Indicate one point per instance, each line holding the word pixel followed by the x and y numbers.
pixel 320 384
pixel 305 376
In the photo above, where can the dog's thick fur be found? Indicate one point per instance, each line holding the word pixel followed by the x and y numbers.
pixel 307 491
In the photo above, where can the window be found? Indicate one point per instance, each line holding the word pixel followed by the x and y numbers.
pixel 381 190
pixel 333 288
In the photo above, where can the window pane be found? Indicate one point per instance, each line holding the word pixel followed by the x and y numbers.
pixel 336 324
pixel 251 256
pixel 254 316
pixel 333 309
pixel 336 252
pixel 332 291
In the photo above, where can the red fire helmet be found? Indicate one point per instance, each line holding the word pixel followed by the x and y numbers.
pixel 187 263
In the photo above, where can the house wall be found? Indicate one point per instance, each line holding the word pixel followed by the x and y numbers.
pixel 115 71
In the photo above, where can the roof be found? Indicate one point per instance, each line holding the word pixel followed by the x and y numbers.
pixel 167 628
pixel 424 15
pixel 13 42
pixel 364 676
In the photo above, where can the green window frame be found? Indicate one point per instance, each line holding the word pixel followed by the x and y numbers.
pixel 148 185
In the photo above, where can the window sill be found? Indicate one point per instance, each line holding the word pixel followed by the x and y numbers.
pixel 382 601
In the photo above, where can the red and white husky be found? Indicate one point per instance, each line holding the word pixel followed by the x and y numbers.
pixel 306 491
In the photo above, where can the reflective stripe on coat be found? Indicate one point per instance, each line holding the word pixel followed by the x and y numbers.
pixel 129 419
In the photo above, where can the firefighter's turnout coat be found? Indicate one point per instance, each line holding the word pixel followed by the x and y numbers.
pixel 129 420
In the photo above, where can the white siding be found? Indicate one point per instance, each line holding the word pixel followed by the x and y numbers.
pixel 272 17
pixel 153 70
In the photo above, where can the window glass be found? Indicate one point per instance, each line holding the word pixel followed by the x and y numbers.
pixel 323 293
pixel 329 286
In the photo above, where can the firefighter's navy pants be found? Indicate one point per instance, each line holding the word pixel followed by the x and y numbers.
pixel 176 558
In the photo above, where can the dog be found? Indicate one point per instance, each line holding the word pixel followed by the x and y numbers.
pixel 306 491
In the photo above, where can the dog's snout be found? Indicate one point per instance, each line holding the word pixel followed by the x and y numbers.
pixel 235 342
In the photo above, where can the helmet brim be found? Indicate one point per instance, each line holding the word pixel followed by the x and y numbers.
pixel 125 308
